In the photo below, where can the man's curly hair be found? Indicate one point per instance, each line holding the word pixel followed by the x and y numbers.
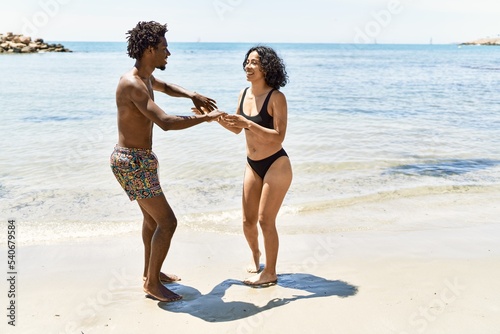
pixel 272 65
pixel 144 35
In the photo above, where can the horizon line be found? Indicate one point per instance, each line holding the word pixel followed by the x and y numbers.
pixel 252 42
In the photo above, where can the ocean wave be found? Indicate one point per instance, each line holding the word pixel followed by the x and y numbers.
pixel 386 195
pixel 439 168
pixel 53 118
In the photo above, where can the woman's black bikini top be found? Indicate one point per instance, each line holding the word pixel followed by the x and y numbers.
pixel 262 118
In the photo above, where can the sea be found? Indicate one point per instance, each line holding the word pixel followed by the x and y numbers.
pixel 365 123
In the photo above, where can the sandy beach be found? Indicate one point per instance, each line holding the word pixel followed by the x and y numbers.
pixel 433 267
pixel 391 224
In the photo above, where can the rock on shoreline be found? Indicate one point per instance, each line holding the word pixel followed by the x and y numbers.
pixel 484 41
pixel 11 43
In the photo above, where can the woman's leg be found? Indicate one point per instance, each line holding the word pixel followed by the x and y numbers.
pixel 275 186
pixel 252 186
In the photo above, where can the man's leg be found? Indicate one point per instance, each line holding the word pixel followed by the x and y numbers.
pixel 157 209
pixel 148 229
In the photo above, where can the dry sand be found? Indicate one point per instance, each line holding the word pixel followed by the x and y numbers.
pixel 435 272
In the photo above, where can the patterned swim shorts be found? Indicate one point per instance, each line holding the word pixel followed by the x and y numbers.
pixel 136 170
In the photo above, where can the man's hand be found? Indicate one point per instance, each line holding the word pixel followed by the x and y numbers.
pixel 204 111
pixel 202 102
pixel 214 115
pixel 197 111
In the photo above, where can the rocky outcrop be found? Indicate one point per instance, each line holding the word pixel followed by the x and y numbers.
pixel 484 41
pixel 11 43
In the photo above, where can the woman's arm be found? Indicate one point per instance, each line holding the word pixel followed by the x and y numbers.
pixel 277 108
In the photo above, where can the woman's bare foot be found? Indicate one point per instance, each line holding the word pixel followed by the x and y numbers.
pixel 253 270
pixel 262 279
pixel 160 293
pixel 255 266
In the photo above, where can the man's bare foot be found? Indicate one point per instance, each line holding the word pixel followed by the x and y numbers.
pixel 254 267
pixel 160 293
pixel 167 278
pixel 262 280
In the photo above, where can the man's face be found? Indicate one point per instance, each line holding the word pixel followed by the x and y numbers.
pixel 161 54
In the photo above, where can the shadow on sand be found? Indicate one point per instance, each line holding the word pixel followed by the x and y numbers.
pixel 212 308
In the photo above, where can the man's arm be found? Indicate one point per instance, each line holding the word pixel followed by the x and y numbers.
pixel 139 95
pixel 171 89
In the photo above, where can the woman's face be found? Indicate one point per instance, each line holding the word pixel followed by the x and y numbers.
pixel 253 69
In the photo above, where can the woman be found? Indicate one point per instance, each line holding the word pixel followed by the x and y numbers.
pixel 262 113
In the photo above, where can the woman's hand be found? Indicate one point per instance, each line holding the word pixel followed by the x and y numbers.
pixel 236 121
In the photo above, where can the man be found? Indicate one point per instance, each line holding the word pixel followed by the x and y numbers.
pixel 133 162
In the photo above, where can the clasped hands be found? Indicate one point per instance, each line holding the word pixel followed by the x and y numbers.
pixel 215 114
pixel 233 120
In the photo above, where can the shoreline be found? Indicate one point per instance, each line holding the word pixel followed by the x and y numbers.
pixel 455 206
pixel 435 273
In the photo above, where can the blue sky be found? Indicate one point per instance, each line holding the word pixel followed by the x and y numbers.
pixel 323 21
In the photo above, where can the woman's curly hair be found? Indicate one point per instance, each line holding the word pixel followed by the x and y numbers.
pixel 272 66
pixel 144 35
